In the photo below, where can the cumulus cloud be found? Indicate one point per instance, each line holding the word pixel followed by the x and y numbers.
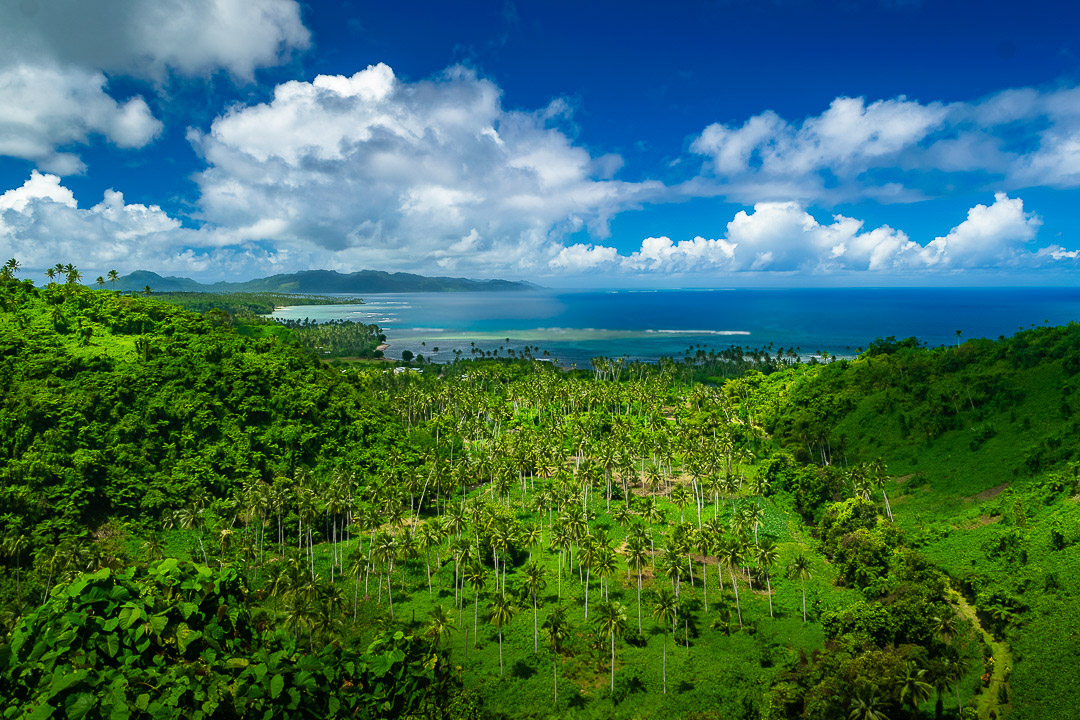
pixel 991 235
pixel 580 257
pixel 895 150
pixel 43 109
pixel 661 254
pixel 368 170
pixel 151 38
pixel 785 237
pixel 55 57
pixel 41 224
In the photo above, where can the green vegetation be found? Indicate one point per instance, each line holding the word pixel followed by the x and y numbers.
pixel 338 338
pixel 201 516
pixel 246 305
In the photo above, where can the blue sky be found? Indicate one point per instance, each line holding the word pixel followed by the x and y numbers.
pixel 785 142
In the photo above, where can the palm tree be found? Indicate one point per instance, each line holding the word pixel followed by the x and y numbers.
pixel 755 515
pixel 476 577
pixel 153 547
pixel 767 556
pixel 113 276
pixel 385 546
pixel 100 281
pixel 681 497
pixel 611 621
pixel 13 546
pixel 190 517
pixel 955 668
pixel 147 291
pixel 879 474
pixel 587 555
pixel 535 582
pixel 945 626
pixel 428 536
pixel 665 610
pixel 501 612
pixel 606 565
pixel 441 625
pixel 51 274
pixel 561 540
pixel 867 707
pixel 557 629
pixel 733 556
pixel 800 568
pixel 914 690
pixel 636 558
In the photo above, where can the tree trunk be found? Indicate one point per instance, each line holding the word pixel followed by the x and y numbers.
pixel 556 654
pixel 639 601
pixel 768 584
pixel 665 663
pixel 735 584
pixel 612 663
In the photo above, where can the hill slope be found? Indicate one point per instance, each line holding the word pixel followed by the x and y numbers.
pixel 982 442
pixel 321 281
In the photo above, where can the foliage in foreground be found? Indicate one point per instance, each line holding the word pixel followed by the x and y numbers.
pixel 181 640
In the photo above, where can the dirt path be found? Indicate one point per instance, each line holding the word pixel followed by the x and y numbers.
pixel 987 700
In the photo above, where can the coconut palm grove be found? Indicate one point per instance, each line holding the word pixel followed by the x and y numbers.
pixel 204 516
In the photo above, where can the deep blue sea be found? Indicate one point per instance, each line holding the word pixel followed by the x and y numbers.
pixel 574 326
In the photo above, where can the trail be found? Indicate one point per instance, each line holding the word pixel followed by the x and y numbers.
pixel 987 700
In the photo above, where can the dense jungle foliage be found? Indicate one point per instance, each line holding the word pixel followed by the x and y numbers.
pixel 201 517
pixel 245 305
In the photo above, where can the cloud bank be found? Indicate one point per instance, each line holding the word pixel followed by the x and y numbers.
pixel 368 170
pixel 895 150
pixel 785 237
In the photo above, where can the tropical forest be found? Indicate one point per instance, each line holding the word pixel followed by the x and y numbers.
pixel 204 516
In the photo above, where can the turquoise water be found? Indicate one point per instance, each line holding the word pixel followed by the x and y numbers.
pixel 574 326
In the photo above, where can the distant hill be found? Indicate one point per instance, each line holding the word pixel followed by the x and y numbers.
pixel 321 281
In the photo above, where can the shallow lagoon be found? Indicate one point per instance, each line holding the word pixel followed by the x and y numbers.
pixel 574 326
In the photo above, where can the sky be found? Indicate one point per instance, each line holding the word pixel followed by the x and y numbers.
pixel 709 143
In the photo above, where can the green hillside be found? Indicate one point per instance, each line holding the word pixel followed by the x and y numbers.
pixel 319 281
pixel 895 534
pixel 982 443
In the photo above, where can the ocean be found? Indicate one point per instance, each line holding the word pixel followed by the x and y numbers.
pixel 575 326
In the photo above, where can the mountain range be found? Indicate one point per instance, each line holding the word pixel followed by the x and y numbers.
pixel 320 281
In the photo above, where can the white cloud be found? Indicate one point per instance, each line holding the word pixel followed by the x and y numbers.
pixel 54 57
pixel 370 171
pixel 42 224
pixel 784 237
pixel 895 150
pixel 845 140
pixel 151 38
pixel 580 257
pixel 990 236
pixel 663 255
pixel 42 109
pixel 38 188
